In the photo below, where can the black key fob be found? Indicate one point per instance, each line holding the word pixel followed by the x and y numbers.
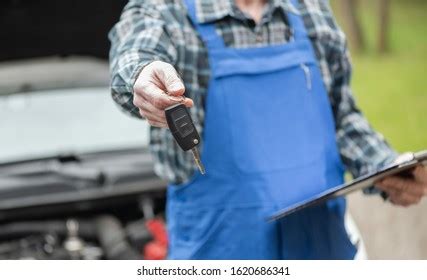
pixel 182 127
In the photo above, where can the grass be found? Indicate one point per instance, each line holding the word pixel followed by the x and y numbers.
pixel 391 88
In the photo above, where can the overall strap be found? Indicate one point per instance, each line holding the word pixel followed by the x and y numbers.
pixel 296 22
pixel 209 35
pixel 206 31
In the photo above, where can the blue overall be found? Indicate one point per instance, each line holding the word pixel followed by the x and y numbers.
pixel 269 141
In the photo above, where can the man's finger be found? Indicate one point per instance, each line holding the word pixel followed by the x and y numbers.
pixel 158 98
pixel 420 174
pixel 152 117
pixel 172 83
pixel 149 108
pixel 402 185
pixel 188 102
pixel 153 120
pixel 158 124
pixel 404 199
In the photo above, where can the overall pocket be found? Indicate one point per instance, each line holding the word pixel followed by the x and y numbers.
pixel 271 120
pixel 193 231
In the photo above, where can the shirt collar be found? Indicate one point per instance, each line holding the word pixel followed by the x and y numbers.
pixel 214 10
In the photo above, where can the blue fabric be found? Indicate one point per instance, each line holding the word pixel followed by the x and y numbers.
pixel 257 164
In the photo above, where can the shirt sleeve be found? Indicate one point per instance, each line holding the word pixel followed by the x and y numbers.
pixel 362 149
pixel 139 38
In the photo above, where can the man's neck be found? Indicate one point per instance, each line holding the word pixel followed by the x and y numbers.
pixel 254 8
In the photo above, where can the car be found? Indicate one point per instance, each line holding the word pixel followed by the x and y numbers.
pixel 77 179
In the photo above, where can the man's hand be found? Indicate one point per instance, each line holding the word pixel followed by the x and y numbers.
pixel 157 87
pixel 406 191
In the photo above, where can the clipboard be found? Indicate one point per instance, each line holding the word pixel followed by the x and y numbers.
pixel 405 164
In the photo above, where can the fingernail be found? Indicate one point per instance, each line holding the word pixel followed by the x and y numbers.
pixel 177 98
pixel 176 87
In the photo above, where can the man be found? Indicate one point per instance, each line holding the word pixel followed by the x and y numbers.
pixel 268 87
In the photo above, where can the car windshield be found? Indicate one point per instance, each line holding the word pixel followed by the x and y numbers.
pixel 50 122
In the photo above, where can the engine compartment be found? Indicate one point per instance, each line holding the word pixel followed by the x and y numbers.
pixel 98 205
pixel 132 229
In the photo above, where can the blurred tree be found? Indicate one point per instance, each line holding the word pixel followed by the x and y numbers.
pixel 349 10
pixel 384 15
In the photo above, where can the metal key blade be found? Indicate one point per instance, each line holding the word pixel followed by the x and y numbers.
pixel 196 156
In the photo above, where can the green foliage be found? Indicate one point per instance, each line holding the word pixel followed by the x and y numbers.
pixel 391 89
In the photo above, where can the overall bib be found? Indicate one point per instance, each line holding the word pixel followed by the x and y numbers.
pixel 269 141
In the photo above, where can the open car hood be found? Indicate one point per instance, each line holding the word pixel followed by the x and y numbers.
pixel 67 38
pixel 40 28
pixel 76 179
pixel 40 42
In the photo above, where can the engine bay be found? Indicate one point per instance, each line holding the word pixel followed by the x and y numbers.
pixel 90 206
pixel 135 230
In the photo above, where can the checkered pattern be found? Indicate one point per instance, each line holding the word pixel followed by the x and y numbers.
pixel 160 30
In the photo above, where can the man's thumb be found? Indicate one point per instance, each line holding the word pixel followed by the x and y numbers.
pixel 175 87
pixel 171 80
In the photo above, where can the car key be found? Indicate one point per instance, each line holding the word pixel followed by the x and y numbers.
pixel 183 130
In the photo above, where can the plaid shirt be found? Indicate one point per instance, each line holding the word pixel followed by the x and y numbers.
pixel 160 30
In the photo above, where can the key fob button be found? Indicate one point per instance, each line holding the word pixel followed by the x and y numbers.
pixel 182 127
pixel 182 122
pixel 183 130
